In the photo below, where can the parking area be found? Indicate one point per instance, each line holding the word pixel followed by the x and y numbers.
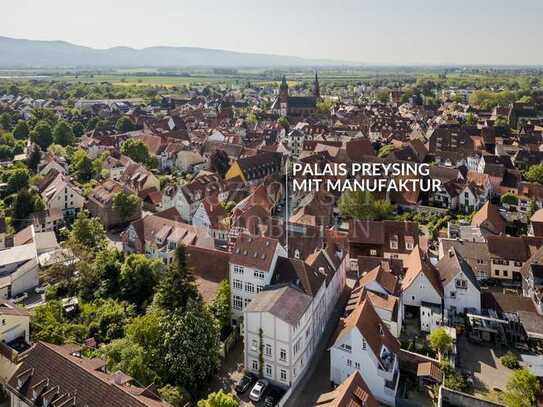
pixel 230 373
pixel 483 362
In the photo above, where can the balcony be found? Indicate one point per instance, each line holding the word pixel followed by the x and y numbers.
pixel 388 359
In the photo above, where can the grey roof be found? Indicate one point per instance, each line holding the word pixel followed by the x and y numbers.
pixel 18 254
pixel 284 302
pixel 451 264
pixel 474 253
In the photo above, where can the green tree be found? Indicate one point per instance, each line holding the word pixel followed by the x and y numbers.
pixel 136 150
pixel 510 360
pixel 176 396
pixel 130 358
pixel 220 306
pixel 48 323
pixel 124 125
pixel 138 279
pixel 386 150
pixel 82 166
pixel 190 347
pixel 63 134
pixel 535 173
pixel 5 121
pixel 501 122
pixel 509 199
pixel 87 234
pixel 107 265
pixel 219 399
pixel 440 341
pixel 78 129
pixel 23 206
pixel 283 122
pixel 42 134
pixel 21 130
pixel 522 389
pixel 137 353
pixel 18 179
pixel 105 319
pixel 470 119
pixel 362 205
pixel 34 158
pixel 177 285
pixel 125 204
pixel 452 379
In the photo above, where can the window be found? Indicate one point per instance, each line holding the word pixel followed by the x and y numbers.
pixel 453 294
pixel 268 350
pixel 373 252
pixel 283 354
pixel 363 344
pixel 259 288
pixel 246 301
pixel 349 363
pixel 259 274
pixel 255 365
pixel 394 242
pixel 283 375
pixel 238 269
pixel 357 365
pixel 461 284
pixel 268 370
pixel 346 347
pixel 238 302
pixel 250 287
pixel 238 284
pixel 297 346
pixel 505 273
pixel 254 345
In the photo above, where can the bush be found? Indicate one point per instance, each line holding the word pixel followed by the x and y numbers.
pixel 510 360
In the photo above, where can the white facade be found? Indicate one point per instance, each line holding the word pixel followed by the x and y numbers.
pixel 460 295
pixel 201 218
pixel 287 349
pixel 351 352
pixel 420 290
pixel 246 282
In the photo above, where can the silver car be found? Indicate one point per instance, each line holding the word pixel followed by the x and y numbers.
pixel 258 390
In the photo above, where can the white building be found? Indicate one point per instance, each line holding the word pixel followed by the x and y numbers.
pixel 252 263
pixel 420 286
pixel 287 321
pixel 365 344
pixel 461 292
pixel 61 194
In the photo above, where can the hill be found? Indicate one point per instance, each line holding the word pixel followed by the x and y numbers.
pixel 30 53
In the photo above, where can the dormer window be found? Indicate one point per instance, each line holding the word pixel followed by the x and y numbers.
pixel 394 242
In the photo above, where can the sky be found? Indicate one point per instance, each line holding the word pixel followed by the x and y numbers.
pixel 463 32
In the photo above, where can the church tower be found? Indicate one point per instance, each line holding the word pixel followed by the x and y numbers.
pixel 283 96
pixel 316 87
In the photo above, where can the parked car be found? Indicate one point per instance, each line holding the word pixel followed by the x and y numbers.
pixel 245 382
pixel 258 390
pixel 273 397
pixel 20 298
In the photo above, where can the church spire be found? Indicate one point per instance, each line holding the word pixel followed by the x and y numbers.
pixel 316 87
pixel 283 90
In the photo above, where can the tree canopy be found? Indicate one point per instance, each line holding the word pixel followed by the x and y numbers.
pixel 125 204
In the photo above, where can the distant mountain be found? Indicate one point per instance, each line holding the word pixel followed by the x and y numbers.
pixel 30 53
